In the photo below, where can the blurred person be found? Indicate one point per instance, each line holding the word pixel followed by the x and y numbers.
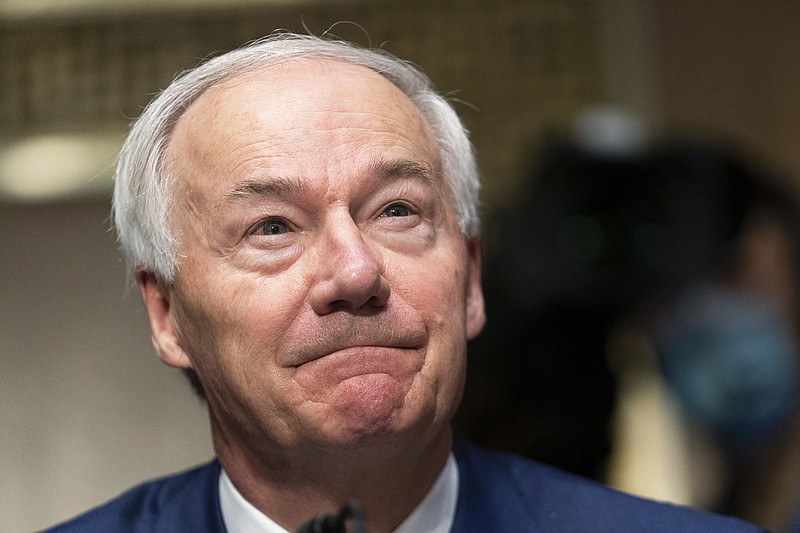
pixel 728 349
pixel 624 250
pixel 301 219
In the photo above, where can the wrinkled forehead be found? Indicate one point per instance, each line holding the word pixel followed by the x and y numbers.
pixel 313 87
pixel 315 94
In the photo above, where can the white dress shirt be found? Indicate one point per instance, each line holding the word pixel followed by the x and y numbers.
pixel 434 514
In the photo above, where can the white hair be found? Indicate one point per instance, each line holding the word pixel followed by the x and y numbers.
pixel 143 182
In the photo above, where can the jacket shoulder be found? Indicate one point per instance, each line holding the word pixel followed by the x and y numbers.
pixel 188 501
pixel 504 492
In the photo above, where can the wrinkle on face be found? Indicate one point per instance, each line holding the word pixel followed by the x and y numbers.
pixel 325 161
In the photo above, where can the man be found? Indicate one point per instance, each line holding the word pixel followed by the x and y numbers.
pixel 301 218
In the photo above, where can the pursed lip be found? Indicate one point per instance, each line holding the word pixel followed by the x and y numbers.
pixel 353 351
pixel 346 363
pixel 317 337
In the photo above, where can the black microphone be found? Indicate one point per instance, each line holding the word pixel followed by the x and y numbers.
pixel 327 523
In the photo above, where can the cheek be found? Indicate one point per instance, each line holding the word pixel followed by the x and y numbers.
pixel 232 338
pixel 232 327
pixel 438 294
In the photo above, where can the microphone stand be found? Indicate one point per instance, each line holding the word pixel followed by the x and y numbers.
pixel 349 515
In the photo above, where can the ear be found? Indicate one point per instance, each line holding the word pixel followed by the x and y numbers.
pixel 476 314
pixel 156 297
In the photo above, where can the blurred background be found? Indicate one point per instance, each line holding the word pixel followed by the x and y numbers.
pixel 595 122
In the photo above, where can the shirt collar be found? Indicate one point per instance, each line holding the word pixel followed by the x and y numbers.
pixel 433 515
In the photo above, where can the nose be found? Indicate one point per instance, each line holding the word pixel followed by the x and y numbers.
pixel 350 274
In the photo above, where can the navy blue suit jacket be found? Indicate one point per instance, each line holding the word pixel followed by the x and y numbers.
pixel 498 493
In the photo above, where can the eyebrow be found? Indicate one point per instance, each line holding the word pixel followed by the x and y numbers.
pixel 272 186
pixel 385 170
pixel 285 187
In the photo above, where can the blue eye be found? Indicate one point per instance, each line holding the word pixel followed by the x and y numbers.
pixel 272 227
pixel 396 210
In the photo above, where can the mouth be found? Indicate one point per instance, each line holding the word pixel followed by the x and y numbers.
pixel 360 362
pixel 367 354
pixel 341 337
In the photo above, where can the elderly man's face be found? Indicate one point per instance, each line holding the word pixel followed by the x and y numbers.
pixel 325 292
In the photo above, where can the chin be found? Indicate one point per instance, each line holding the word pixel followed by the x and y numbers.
pixel 398 430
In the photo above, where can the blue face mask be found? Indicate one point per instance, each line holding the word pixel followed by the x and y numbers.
pixel 733 364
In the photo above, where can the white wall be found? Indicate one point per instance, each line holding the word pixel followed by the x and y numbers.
pixel 86 408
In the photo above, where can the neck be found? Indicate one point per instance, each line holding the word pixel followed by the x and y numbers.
pixel 291 486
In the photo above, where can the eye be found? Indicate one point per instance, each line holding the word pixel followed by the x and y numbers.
pixel 271 227
pixel 396 210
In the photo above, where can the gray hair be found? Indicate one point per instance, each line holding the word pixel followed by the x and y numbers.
pixel 143 192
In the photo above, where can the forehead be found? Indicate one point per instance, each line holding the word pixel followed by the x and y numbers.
pixel 301 101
